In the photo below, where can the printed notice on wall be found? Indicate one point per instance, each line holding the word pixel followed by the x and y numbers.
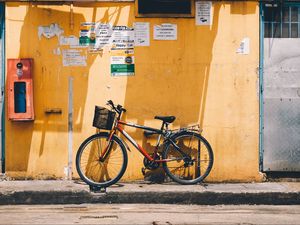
pixel 122 38
pixel 95 35
pixel 103 35
pixel 203 13
pixel 87 35
pixel 122 65
pixel 100 35
pixel 165 31
pixel 73 57
pixel 71 40
pixel 141 34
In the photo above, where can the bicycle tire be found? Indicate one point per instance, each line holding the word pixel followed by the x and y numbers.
pixel 94 172
pixel 191 174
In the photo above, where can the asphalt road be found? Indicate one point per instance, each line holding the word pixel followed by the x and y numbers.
pixel 148 214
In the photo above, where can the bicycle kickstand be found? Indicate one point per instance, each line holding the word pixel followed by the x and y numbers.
pixel 97 189
pixel 144 171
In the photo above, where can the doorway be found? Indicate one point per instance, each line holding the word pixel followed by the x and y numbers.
pixel 280 87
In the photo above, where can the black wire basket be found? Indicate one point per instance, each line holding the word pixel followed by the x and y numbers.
pixel 103 118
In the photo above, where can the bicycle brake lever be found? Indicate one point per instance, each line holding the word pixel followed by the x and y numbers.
pixel 110 102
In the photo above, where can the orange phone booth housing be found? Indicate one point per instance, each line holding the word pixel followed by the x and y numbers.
pixel 20 89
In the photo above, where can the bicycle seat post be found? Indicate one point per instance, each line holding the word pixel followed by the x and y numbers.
pixel 159 136
pixel 165 124
pixel 162 126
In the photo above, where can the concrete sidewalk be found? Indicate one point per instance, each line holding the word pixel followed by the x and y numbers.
pixel 76 192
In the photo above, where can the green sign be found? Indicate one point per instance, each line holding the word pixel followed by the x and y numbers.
pixel 122 66
pixel 122 69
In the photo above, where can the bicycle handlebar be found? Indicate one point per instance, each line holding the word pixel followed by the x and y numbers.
pixel 119 109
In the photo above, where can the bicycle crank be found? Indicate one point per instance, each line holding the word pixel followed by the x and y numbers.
pixel 151 165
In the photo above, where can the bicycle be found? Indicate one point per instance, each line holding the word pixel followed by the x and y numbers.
pixel 101 159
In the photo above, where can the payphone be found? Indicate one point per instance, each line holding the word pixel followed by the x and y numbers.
pixel 20 89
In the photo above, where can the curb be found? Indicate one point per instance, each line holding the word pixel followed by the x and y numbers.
pixel 197 198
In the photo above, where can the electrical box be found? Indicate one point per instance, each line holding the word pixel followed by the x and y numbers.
pixel 20 89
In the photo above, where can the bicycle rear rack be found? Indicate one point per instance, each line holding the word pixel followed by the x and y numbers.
pixel 193 128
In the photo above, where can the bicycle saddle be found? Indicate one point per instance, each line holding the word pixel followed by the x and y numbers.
pixel 166 119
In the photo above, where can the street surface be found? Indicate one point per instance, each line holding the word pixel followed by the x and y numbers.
pixel 148 214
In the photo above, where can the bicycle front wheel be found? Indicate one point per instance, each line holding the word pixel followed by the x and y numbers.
pixel 97 171
pixel 192 163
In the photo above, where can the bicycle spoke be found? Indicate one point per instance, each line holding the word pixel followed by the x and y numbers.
pixel 198 171
pixel 98 144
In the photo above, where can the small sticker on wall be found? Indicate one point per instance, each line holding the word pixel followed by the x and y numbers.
pixel 203 13
pixel 165 31
pixel 244 48
pixel 56 51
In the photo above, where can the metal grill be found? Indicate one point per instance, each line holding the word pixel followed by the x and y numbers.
pixel 281 133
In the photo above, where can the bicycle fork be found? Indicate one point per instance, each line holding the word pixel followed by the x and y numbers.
pixel 108 148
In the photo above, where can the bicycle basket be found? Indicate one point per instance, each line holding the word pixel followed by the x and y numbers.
pixel 103 118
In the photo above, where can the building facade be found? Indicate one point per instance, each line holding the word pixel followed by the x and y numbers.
pixel 207 69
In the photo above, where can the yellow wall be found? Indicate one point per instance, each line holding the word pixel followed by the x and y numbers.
pixel 198 77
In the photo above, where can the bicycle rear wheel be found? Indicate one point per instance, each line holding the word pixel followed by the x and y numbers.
pixel 101 172
pixel 193 166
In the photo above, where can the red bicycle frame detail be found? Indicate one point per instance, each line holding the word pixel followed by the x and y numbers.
pixel 118 126
pixel 109 141
pixel 132 141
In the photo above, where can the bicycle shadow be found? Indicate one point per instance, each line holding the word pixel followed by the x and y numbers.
pixel 80 182
pixel 158 175
pixel 176 78
pixel 177 168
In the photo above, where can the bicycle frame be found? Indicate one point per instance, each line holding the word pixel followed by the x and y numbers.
pixel 118 127
pixel 107 150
